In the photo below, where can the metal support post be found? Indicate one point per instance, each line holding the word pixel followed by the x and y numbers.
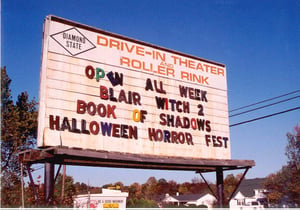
pixel 63 183
pixel 22 184
pixel 33 187
pixel 207 184
pixel 220 187
pixel 49 183
pixel 237 186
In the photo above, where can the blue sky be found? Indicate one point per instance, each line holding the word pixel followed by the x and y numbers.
pixel 258 41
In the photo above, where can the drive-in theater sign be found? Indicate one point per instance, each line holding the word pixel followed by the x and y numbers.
pixel 106 92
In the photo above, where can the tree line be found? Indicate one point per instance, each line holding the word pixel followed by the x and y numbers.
pixel 145 195
pixel 19 132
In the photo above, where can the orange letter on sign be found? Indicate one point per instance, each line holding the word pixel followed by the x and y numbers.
pixel 101 40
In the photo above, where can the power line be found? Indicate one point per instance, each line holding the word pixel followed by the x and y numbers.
pixel 263 101
pixel 266 116
pixel 261 107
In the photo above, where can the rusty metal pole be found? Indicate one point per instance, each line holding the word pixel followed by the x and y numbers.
pixel 33 186
pixel 49 183
pixel 220 187
pixel 22 183
pixel 63 183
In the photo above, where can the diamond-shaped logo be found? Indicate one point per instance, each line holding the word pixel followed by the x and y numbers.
pixel 73 41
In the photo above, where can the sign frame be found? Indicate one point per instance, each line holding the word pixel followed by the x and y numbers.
pixel 73 28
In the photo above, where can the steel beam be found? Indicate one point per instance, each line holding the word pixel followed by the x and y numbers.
pixel 49 183
pixel 220 187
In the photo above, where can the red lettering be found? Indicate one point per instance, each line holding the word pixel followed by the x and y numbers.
pixel 221 72
pixel 81 106
pixel 140 51
pixel 101 109
pixel 116 130
pixel 101 40
pixel 89 72
pixel 111 111
pixel 91 108
pixel 103 92
pixel 199 67
pixel 94 127
pixel 54 123
pixel 114 43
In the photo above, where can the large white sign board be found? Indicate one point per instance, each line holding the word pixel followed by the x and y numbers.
pixel 107 92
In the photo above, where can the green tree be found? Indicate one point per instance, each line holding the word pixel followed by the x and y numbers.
pixel 162 187
pixel 293 155
pixel 10 190
pixel 81 188
pixel 30 200
pixel 198 186
pixel 143 196
pixel 141 203
pixel 173 187
pixel 18 132
pixel 184 188
pixel 149 189
pixel 135 191
pixel 230 183
pixel 292 150
pixel 69 191
pixel 277 184
pixel 284 185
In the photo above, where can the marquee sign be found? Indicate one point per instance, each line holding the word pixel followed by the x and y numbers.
pixel 104 91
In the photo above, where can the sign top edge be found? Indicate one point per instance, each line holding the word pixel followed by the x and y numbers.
pixel 97 30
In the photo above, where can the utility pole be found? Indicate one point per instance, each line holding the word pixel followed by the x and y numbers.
pixel 63 183
pixel 89 196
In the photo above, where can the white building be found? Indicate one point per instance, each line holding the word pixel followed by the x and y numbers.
pixel 250 195
pixel 191 199
pixel 107 199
